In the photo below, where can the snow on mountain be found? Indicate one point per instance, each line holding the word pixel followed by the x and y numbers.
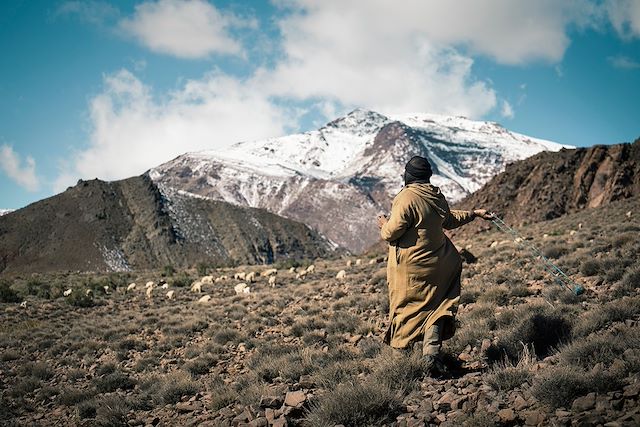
pixel 337 178
pixel 5 211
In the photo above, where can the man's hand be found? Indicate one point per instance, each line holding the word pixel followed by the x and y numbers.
pixel 484 214
pixel 382 220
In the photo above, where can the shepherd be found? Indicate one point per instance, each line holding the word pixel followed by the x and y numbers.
pixel 424 267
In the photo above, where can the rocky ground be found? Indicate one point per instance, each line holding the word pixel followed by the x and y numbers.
pixel 307 350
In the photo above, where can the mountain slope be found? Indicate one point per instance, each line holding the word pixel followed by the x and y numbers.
pixel 549 185
pixel 133 224
pixel 336 179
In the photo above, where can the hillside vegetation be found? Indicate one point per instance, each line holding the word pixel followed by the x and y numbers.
pixel 308 351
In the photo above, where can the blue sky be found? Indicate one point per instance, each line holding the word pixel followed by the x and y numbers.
pixel 108 89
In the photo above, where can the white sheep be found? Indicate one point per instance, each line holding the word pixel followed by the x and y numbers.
pixel 358 261
pixel 165 286
pixel 106 289
pixel 242 288
pixel 23 304
pixel 373 261
pixel 170 294
pixel 348 263
pixel 301 275
pixel 149 285
pixel 131 287
pixel 207 280
pixel 270 272
pixel 239 276
pixel 150 291
pixel 67 292
pixel 205 299
pixel 196 287
pixel 292 270
pixel 272 281
pixel 341 275
pixel 88 292
pixel 250 277
pixel 311 268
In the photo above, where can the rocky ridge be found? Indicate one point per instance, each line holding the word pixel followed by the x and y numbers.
pixel 550 185
pixel 134 224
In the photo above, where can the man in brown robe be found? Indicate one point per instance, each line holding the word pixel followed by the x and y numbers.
pixel 424 267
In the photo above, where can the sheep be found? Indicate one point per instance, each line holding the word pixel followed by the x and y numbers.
pixel 170 294
pixel 106 289
pixel 239 276
pixel 341 275
pixel 270 272
pixel 196 287
pixel 148 285
pixel 67 292
pixel 23 304
pixel 348 263
pixel 205 299
pixel 311 268
pixel 131 287
pixel 292 270
pixel 272 281
pixel 207 280
pixel 250 277
pixel 301 275
pixel 88 292
pixel 149 291
pixel 358 261
pixel 242 288
pixel 373 261
pixel 165 286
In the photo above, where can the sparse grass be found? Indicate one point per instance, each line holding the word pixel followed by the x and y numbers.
pixel 149 355
pixel 176 384
pixel 506 375
pixel 359 404
pixel 111 411
pixel 600 317
pixel 542 327
pixel 561 385
pixel 401 371
pixel 114 381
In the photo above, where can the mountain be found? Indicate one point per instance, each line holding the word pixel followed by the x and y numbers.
pixel 132 224
pixel 5 211
pixel 338 178
pixel 549 185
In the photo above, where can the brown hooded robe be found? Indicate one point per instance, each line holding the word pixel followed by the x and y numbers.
pixel 424 267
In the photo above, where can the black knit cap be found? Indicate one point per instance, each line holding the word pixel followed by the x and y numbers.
pixel 417 169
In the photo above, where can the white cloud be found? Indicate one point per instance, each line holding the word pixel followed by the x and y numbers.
pixel 624 16
pixel 623 62
pixel 334 55
pixel 184 28
pixel 507 110
pixel 132 132
pixel 24 174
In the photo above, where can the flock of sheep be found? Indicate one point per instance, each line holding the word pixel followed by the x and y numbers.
pixel 246 278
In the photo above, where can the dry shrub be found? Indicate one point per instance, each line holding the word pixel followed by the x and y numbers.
pixel 171 387
pixel 353 405
pixel 400 370
pixel 562 384
pixel 540 326
pixel 603 347
pixel 506 375
pixel 601 317
pixel 111 410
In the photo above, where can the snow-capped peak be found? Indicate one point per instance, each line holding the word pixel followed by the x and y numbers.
pixel 350 167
